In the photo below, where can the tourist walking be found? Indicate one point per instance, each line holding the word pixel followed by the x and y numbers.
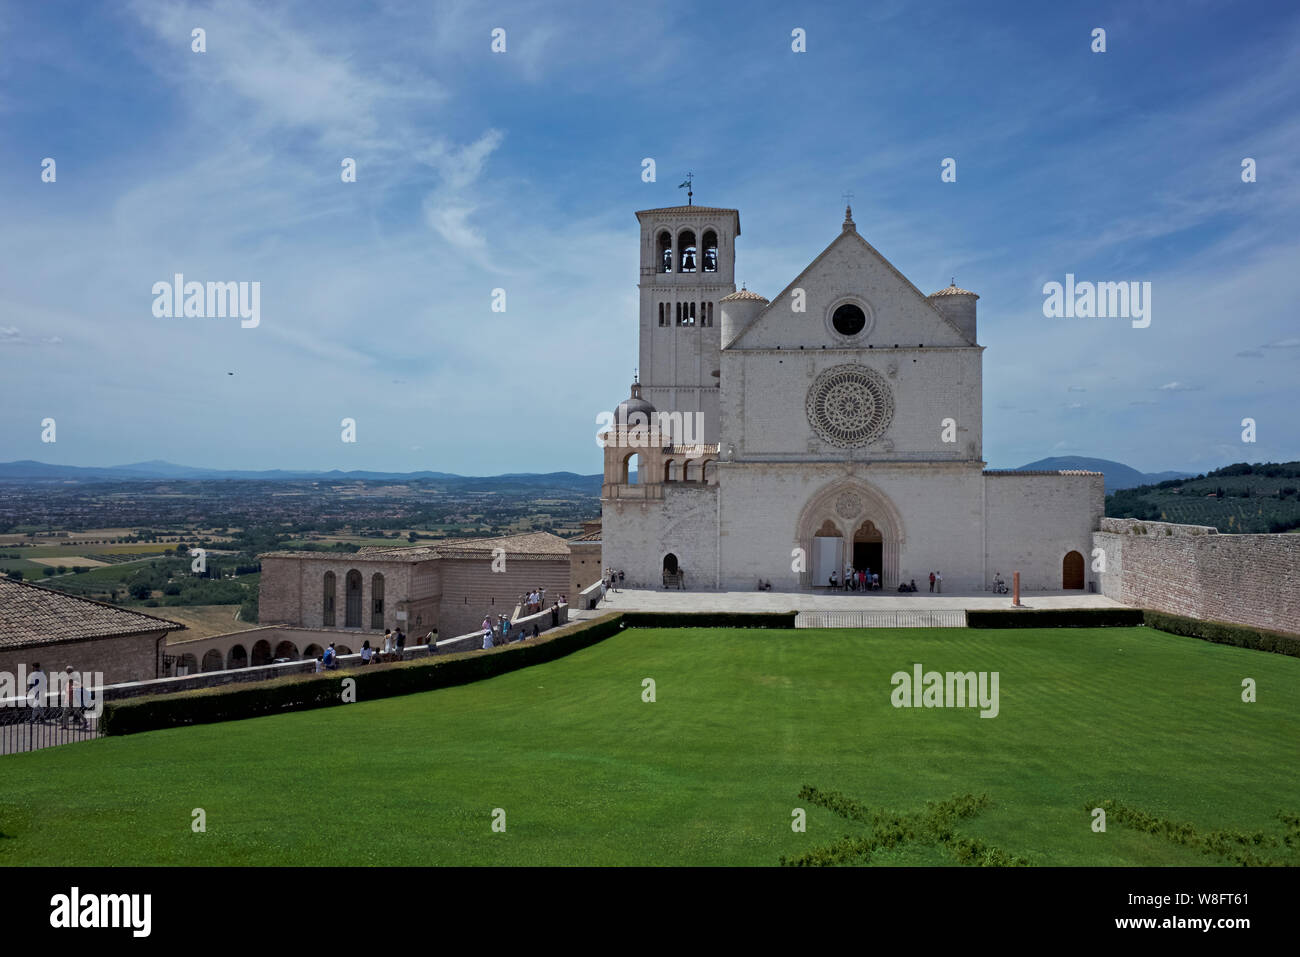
pixel 938 582
pixel 36 692
pixel 932 581
pixel 366 652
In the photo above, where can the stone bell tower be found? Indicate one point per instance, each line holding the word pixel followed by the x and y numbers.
pixel 688 263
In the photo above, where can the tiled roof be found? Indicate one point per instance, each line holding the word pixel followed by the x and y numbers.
pixel 687 209
pixel 742 296
pixel 953 290
pixel 529 543
pixel 526 545
pixel 586 537
pixel 31 615
pixel 381 552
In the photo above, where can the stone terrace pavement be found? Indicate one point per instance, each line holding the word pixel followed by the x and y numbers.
pixel 645 599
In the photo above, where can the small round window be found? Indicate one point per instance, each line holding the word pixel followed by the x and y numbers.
pixel 849 319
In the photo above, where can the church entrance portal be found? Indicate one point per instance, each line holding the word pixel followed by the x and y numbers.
pixel 849 522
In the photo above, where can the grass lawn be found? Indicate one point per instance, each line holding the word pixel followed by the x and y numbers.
pixel 588 773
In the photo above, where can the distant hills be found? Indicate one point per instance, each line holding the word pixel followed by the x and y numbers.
pixel 157 470
pixel 1118 475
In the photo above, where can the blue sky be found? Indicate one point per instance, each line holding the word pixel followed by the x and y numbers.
pixel 522 171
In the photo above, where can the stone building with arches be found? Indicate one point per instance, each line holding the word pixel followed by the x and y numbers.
pixel 447 586
pixel 840 423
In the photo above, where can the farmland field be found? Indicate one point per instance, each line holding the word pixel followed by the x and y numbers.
pixel 203 621
pixel 587 772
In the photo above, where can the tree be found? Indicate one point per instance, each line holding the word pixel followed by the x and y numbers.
pixel 16 574
pixel 141 590
pixel 47 571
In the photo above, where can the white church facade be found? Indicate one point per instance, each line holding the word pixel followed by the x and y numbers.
pixel 839 424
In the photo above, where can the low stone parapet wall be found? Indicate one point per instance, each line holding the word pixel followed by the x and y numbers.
pixel 209 679
pixel 1195 571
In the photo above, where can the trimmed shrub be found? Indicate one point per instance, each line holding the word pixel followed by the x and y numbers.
pixel 708 619
pixel 303 692
pixel 1222 633
pixel 1056 618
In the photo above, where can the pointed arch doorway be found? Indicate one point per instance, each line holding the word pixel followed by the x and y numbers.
pixel 869 549
pixel 857 522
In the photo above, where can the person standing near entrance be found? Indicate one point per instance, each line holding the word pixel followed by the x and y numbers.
pixel 931 581
pixel 938 582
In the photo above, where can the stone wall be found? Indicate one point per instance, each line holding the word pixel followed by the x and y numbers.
pixel 471 589
pixel 1033 520
pixel 292 592
pixel 585 566
pixel 1194 571
pixel 636 536
pixel 128 658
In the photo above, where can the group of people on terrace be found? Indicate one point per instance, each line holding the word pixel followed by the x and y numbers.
pixel 499 632
pixel 855 579
pixel 533 601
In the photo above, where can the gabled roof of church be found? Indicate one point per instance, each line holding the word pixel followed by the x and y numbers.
pixel 848 233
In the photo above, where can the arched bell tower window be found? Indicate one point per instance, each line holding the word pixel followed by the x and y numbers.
pixel 710 244
pixel 665 245
pixel 686 250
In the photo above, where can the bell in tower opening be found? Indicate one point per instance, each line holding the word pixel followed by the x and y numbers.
pixel 686 243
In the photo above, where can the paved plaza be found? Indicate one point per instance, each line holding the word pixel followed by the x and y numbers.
pixel 646 599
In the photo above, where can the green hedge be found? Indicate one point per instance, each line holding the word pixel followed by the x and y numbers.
pixel 1055 618
pixel 302 692
pixel 1220 632
pixel 708 619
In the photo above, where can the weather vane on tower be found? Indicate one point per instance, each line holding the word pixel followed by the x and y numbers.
pixel 687 184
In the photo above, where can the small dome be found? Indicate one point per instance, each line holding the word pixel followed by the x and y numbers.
pixel 744 295
pixel 952 290
pixel 634 411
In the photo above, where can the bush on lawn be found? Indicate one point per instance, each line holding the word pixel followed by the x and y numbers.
pixel 1220 632
pixel 1055 618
